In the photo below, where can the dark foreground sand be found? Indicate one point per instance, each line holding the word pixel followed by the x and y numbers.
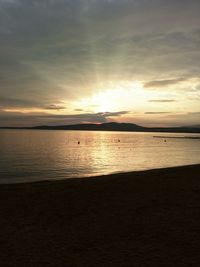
pixel 141 219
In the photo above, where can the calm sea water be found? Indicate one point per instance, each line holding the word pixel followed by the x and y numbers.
pixel 27 155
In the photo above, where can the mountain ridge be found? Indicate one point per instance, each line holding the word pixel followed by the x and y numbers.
pixel 112 126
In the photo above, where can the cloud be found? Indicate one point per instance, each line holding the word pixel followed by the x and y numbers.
pixel 194 113
pixel 162 83
pixel 60 51
pixel 55 107
pixel 162 100
pixel 114 114
pixel 21 119
pixel 9 102
pixel 156 112
pixel 78 109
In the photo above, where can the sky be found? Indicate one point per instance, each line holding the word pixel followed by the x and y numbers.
pixel 96 61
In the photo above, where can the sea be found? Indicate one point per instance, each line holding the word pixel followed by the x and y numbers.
pixel 38 155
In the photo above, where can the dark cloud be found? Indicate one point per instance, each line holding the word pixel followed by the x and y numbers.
pixel 78 109
pixel 162 83
pixel 162 100
pixel 16 118
pixel 156 112
pixel 114 114
pixel 55 107
pixel 84 115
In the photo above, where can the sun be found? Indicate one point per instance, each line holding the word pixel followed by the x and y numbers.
pixel 106 101
pixel 103 101
pixel 113 97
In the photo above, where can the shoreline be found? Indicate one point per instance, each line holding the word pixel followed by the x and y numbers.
pixel 144 218
pixel 151 130
pixel 103 176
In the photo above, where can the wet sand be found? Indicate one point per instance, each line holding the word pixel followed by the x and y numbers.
pixel 149 218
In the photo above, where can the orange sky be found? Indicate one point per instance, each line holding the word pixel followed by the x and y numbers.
pixel 66 62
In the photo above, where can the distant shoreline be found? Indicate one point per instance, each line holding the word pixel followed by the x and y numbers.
pixel 177 137
pixel 112 126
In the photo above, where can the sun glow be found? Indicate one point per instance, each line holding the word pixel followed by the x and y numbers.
pixel 114 97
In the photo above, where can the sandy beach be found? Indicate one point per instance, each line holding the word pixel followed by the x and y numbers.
pixel 149 218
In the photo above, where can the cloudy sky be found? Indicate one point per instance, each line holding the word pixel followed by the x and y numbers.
pixel 77 61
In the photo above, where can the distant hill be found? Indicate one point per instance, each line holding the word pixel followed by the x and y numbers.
pixel 194 126
pixel 111 126
pixel 114 126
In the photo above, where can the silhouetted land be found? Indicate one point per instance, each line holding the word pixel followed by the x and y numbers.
pixel 178 137
pixel 113 126
pixel 149 218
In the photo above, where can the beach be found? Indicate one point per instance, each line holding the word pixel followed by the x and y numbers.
pixel 146 218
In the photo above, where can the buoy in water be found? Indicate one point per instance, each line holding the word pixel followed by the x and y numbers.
pixel 78 142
